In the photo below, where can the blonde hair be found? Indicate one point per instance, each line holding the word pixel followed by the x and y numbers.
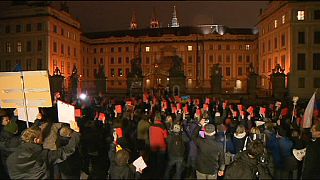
pixel 240 129
pixel 255 130
pixel 30 134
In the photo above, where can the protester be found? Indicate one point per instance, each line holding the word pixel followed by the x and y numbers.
pixel 210 158
pixel 31 161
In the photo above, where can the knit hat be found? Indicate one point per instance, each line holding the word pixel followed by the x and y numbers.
pixel 12 127
pixel 209 129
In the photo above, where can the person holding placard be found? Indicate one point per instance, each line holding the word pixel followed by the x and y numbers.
pixel 31 161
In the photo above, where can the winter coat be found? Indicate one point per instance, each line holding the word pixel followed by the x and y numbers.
pixel 8 144
pixel 31 161
pixel 239 142
pixel 210 157
pixel 176 144
pixel 127 171
pixel 244 167
pixel 311 167
pixel 157 136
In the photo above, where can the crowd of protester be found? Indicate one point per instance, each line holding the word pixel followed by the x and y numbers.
pixel 181 138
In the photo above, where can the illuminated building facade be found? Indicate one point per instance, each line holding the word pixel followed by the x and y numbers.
pixel 43 37
pixel 289 35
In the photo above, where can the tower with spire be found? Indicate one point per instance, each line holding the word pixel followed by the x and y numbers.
pixel 174 20
pixel 154 23
pixel 133 23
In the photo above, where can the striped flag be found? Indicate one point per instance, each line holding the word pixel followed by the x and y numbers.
pixel 307 116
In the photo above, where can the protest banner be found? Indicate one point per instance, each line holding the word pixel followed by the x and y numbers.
pixel 66 112
pixel 31 113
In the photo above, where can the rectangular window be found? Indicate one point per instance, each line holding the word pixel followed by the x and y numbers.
pixel 127 49
pixel 127 71
pixel 18 28
pixel 29 46
pixel 189 48
pixel 62 32
pixel 112 49
pixel 55 29
pixel 147 49
pixel 247 59
pixel 301 37
pixel 316 61
pixel 68 50
pixel 316 82
pixel 247 47
pixel 8 47
pixel 8 29
pixel 240 59
pixel 119 49
pixel 228 59
pixel 283 40
pixel 283 61
pixel 55 47
pixel 316 14
pixel 29 64
pixel 28 28
pixel 275 43
pixel 127 60
pixel 101 61
pixel 119 60
pixel 94 60
pixel 228 71
pixel 19 47
pixel 220 58
pixel 62 49
pixel 95 50
pixel 275 23
pixel 68 34
pixel 112 60
pixel 190 60
pixel 101 50
pixel 239 71
pixel 39 64
pixel 283 19
pixel 317 37
pixel 211 59
pixel 39 26
pixel 39 46
pixel 300 15
pixel 120 73
pixel 301 82
pixel 301 61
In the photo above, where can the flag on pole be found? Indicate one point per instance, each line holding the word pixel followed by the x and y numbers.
pixel 307 116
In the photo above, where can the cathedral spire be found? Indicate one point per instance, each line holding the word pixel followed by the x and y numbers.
pixel 133 23
pixel 174 20
pixel 154 23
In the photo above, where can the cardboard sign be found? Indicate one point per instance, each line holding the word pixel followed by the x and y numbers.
pixel 285 111
pixel 174 109
pixel 24 89
pixel 78 113
pixel 139 163
pixel 32 114
pixel 118 108
pixel 206 107
pixel 164 104
pixel 179 106
pixel 262 110
pixel 65 112
pixel 145 97
pixel 186 109
pixel 250 109
pixel 102 117
pixel 240 107
pixel 198 112
pixel 129 103
pixel 119 132
pixel 208 100
pixel 197 102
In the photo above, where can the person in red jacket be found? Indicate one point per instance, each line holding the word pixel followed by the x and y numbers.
pixel 158 146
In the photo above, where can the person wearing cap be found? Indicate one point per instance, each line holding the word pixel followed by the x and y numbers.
pixel 311 167
pixel 176 151
pixel 210 161
pixel 31 161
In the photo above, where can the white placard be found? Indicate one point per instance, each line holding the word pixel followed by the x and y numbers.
pixel 139 163
pixel 65 112
pixel 32 114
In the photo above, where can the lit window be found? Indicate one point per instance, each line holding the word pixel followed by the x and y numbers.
pixel 247 46
pixel 283 19
pixel 19 47
pixel 300 15
pixel 147 49
pixel 189 48
pixel 8 47
pixel 275 23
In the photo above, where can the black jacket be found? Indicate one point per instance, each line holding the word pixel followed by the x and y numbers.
pixel 245 167
pixel 311 167
pixel 31 161
pixel 210 158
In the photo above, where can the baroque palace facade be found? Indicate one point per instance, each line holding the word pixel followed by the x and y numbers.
pixel 40 37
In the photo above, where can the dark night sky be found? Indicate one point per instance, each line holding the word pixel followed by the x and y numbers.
pixel 116 15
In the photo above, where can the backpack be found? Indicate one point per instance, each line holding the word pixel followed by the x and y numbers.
pixel 176 146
